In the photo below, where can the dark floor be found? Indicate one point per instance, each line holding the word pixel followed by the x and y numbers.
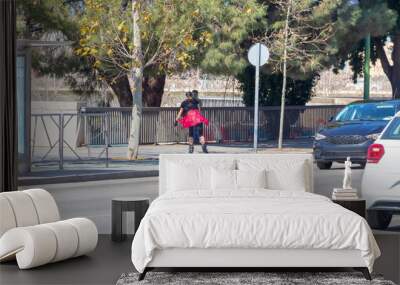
pixel 103 266
pixel 110 259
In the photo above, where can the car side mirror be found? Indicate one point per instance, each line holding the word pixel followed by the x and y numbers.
pixel 331 119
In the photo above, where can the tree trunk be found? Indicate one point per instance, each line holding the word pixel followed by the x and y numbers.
pixel 153 90
pixel 136 84
pixel 282 116
pixel 133 145
pixel 122 90
pixel 395 76
pixel 392 71
pixel 395 83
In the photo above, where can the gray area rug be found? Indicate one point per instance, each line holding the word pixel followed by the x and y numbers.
pixel 269 278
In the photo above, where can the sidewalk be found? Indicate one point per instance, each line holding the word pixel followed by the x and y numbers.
pixel 93 168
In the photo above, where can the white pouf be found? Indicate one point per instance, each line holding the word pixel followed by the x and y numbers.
pixel 31 232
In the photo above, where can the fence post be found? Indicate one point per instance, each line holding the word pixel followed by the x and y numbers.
pixel 106 135
pixel 34 141
pixel 61 141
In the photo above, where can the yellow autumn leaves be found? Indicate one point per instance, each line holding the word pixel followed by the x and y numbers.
pixel 173 34
pixel 184 57
pixel 122 27
pixel 206 38
pixel 98 39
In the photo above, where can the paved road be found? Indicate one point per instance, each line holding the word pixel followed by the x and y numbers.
pixel 93 199
pixel 94 160
pixel 95 166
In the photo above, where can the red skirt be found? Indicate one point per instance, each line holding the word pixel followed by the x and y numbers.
pixel 192 118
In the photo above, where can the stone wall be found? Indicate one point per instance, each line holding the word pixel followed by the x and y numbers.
pixel 331 88
pixel 337 87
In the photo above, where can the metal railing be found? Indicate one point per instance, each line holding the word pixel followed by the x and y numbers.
pixel 52 131
pixel 227 124
pixel 99 128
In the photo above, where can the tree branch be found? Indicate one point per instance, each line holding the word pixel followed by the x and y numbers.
pixel 387 68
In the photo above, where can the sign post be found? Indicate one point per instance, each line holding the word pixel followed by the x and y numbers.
pixel 367 61
pixel 258 56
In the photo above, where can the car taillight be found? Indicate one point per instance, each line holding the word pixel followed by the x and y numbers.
pixel 375 153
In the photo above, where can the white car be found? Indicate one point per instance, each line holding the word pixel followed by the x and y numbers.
pixel 381 181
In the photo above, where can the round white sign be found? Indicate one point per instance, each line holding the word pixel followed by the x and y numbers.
pixel 258 54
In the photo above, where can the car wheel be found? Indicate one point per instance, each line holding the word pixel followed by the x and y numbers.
pixel 362 165
pixel 379 220
pixel 324 165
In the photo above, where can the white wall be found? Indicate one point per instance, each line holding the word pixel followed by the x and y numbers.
pixel 53 107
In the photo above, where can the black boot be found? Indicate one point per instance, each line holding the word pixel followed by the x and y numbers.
pixel 204 148
pixel 191 148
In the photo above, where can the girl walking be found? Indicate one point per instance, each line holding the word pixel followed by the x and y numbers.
pixel 189 116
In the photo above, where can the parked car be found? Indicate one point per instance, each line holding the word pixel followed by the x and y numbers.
pixel 381 181
pixel 352 131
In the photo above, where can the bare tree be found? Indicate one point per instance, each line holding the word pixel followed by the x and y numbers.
pixel 298 40
pixel 282 115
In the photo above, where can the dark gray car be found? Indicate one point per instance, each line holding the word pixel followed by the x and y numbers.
pixel 352 131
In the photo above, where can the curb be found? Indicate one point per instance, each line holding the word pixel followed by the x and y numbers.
pixel 29 180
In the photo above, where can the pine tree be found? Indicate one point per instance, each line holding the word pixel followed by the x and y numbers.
pixel 380 19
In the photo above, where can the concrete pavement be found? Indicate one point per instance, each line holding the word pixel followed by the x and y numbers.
pixel 151 151
pixel 92 163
